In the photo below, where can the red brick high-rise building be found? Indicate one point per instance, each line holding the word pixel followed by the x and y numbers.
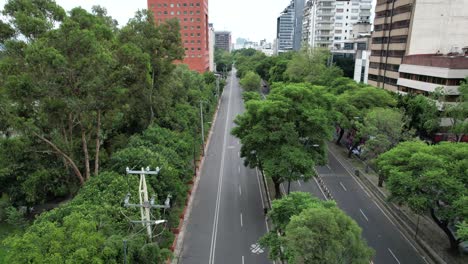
pixel 193 17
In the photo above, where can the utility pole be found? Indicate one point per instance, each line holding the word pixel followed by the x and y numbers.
pixel 202 128
pixel 145 204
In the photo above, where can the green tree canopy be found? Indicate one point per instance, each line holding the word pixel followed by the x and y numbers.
pixel 429 179
pixel 353 104
pixel 309 65
pixel 382 129
pixel 285 133
pixel 458 113
pixel 251 82
pixel 311 231
pixel 421 112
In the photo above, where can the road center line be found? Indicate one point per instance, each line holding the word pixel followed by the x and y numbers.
pixel 240 191
pixel 241 220
pixel 328 166
pixel 344 188
pixel 367 219
pixel 391 252
pixel 298 182
pixel 242 259
pixel 238 168
pixel 220 182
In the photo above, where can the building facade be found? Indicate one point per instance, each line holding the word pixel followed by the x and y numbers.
pixel 327 23
pixel 418 45
pixel 298 17
pixel 193 18
pixel 223 40
pixel 285 29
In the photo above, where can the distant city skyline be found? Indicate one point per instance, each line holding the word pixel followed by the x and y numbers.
pixel 252 19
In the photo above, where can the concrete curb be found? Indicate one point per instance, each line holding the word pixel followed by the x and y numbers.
pixel 401 218
pixel 179 237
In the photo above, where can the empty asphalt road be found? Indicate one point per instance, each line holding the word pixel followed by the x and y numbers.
pixel 227 218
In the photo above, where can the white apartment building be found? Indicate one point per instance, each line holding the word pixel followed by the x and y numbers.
pixel 328 22
pixel 348 13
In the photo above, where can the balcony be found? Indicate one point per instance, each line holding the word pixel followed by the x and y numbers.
pixel 324 27
pixel 325 14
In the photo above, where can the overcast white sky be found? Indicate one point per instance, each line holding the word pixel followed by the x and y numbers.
pixel 252 19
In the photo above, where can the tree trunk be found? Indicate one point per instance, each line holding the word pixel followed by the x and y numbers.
pixel 381 180
pixel 277 189
pixel 85 152
pixel 338 141
pixel 65 156
pixel 444 226
pixel 98 143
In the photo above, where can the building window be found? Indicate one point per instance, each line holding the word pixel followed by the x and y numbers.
pixel 391 53
pixel 172 5
pixel 338 31
pixel 361 46
pixel 340 10
pixel 349 46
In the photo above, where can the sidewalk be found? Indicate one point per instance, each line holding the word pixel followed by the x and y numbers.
pixel 430 238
